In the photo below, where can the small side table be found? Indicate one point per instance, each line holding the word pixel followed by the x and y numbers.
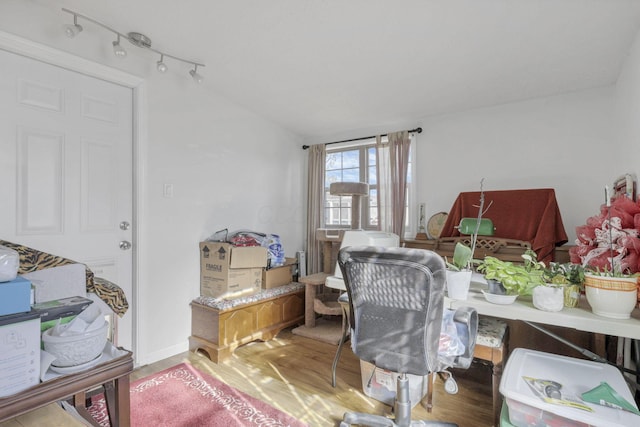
pixel 113 375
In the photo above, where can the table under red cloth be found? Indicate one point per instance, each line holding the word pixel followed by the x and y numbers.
pixel 529 215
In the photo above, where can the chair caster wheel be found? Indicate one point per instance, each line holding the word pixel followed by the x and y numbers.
pixel 451 386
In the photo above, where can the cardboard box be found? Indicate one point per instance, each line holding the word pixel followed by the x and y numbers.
pixel 227 271
pixel 279 276
pixel 15 296
pixel 19 352
pixel 381 384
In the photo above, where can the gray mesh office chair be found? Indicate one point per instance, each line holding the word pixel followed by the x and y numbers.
pixel 396 305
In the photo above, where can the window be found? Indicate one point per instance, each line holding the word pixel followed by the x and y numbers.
pixel 358 163
pixel 351 164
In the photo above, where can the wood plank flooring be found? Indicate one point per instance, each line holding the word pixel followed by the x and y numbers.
pixel 293 374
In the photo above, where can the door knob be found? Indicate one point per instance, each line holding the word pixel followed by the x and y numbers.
pixel 124 245
pixel 124 225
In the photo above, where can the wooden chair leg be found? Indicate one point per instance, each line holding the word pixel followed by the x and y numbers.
pixel 345 333
pixel 496 375
pixel 427 400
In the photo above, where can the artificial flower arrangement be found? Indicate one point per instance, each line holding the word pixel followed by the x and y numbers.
pixel 609 242
pixel 608 247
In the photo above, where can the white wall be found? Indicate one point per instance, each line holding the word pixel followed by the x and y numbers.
pixel 556 142
pixel 628 111
pixel 229 168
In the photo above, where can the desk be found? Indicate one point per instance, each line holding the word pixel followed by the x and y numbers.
pixel 580 317
pixel 113 375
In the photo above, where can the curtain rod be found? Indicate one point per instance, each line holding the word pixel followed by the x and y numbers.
pixel 416 130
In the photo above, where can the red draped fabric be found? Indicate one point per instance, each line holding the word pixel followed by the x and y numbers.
pixel 529 215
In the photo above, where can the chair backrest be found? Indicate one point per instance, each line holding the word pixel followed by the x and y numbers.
pixel 396 302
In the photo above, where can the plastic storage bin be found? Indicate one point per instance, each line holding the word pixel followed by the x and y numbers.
pixel 527 408
pixel 381 384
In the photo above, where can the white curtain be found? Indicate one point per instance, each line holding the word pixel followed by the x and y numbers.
pixel 315 206
pixel 393 160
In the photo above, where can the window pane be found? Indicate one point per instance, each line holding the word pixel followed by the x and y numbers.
pixel 333 176
pixel 350 159
pixel 351 175
pixel 372 156
pixel 330 200
pixel 345 216
pixel 333 161
pixel 373 179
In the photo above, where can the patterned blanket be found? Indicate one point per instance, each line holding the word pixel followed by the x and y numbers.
pixel 32 260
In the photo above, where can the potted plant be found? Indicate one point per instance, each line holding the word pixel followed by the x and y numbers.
pixel 570 277
pixel 608 248
pixel 459 271
pixel 513 279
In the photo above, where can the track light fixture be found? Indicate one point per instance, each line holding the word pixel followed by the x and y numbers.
pixel 161 66
pixel 72 30
pixel 119 50
pixel 136 39
pixel 195 75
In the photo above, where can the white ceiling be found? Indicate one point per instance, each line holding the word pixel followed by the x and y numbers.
pixel 327 67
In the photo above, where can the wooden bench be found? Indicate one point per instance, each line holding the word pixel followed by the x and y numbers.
pixel 220 326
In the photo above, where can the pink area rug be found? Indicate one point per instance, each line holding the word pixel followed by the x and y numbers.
pixel 182 396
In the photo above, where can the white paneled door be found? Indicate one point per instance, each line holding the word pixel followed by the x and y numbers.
pixel 66 142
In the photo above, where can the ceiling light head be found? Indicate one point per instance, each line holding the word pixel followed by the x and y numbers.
pixel 161 66
pixel 72 30
pixel 194 74
pixel 119 50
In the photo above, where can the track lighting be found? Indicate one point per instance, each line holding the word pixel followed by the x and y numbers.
pixel 194 74
pixel 136 39
pixel 72 30
pixel 119 50
pixel 161 66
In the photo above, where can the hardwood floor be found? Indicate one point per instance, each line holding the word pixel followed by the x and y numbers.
pixel 293 374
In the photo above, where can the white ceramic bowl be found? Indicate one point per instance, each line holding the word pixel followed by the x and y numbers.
pixel 75 349
pixel 499 299
pixel 611 298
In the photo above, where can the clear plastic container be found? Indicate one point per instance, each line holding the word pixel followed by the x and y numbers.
pixel 529 407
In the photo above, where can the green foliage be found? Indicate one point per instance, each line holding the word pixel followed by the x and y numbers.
pixel 461 258
pixel 563 274
pixel 608 273
pixel 517 279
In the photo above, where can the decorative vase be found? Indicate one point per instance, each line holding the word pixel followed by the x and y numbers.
pixel 496 287
pixel 571 295
pixel 548 298
pixel 458 283
pixel 613 297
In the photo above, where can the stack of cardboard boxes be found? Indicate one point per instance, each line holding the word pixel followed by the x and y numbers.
pixel 228 271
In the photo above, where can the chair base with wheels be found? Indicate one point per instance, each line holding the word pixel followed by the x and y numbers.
pixel 402 410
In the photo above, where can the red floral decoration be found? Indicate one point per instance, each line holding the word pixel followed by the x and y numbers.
pixel 614 232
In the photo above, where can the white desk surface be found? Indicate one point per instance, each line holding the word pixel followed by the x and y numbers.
pixel 580 317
